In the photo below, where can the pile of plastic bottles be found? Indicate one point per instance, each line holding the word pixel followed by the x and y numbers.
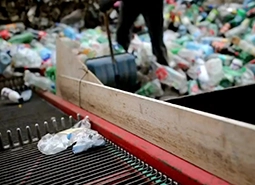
pixel 209 48
pixel 32 53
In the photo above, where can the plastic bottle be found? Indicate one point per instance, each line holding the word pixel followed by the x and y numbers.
pixel 188 55
pixel 236 64
pixel 212 15
pixel 250 38
pixel 22 38
pixel 11 95
pixel 194 31
pixel 151 89
pixel 172 78
pixel 38 34
pixel 244 45
pixel 182 63
pixel 70 33
pixel 208 50
pixel 215 71
pixel 44 53
pixel 241 14
pixel 209 40
pixel 226 59
pixel 5 34
pixel 251 13
pixel 203 76
pixel 5 60
pixel 38 81
pixel 238 30
pixel 25 57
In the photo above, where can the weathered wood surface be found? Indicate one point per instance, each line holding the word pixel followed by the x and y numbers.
pixel 219 145
pixel 70 65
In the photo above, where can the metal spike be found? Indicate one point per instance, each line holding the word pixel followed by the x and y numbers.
pixel 37 128
pixel 63 122
pixel 1 143
pixel 46 127
pixel 71 120
pixel 29 134
pixel 9 135
pixel 55 124
pixel 78 117
pixel 19 137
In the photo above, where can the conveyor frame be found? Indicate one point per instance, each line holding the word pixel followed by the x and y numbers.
pixel 171 165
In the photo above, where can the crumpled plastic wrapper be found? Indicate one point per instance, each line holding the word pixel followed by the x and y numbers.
pixel 80 136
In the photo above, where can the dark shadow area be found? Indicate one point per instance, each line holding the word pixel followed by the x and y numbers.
pixel 235 103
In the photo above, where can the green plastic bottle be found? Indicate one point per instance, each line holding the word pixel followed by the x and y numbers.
pixel 183 39
pixel 212 15
pixel 22 38
pixel 241 15
pixel 51 73
pixel 245 57
pixel 151 89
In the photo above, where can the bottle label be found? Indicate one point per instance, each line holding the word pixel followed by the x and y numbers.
pixel 161 73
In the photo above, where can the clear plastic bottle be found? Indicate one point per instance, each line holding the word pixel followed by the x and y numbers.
pixel 44 53
pixel 238 30
pixel 215 71
pixel 38 81
pixel 189 55
pixel 172 78
pixel 226 59
pixel 244 45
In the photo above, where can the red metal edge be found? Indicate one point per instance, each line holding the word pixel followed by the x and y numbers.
pixel 167 163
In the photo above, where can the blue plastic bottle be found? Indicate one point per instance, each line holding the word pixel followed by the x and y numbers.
pixel 5 60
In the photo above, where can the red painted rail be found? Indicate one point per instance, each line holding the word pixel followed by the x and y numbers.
pixel 180 170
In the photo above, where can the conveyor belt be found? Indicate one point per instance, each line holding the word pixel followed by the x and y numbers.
pixel 26 165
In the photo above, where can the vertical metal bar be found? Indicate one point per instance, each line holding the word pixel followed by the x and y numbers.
pixel 71 120
pixel 19 137
pixel 38 132
pixel 29 134
pixel 78 117
pixel 63 122
pixel 1 143
pixel 46 127
pixel 9 135
pixel 55 124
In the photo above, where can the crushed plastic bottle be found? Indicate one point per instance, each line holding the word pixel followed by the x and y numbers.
pixel 81 136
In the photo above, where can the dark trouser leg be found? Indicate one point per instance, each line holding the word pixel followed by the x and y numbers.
pixel 128 14
pixel 153 16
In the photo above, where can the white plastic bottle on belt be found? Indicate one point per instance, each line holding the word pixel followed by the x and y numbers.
pixel 11 95
pixel 38 81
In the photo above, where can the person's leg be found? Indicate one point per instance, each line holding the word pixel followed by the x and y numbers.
pixel 128 14
pixel 153 16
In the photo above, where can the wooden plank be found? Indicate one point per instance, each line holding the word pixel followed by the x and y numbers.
pixel 219 145
pixel 69 64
